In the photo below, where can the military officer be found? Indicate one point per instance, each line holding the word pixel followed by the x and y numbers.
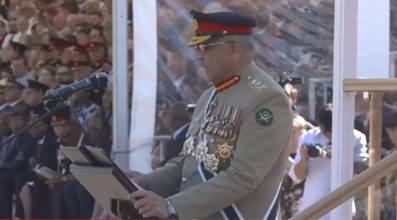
pixel 34 93
pixel 14 159
pixel 234 158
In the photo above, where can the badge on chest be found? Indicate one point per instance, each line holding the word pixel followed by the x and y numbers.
pixel 215 141
pixel 223 122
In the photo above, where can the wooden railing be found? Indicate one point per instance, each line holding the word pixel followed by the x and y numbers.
pixel 378 169
pixel 348 190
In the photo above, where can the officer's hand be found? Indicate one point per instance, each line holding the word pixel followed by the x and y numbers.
pixel 138 177
pixel 150 204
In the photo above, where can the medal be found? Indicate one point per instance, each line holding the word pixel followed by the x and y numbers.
pixel 201 152
pixel 188 146
pixel 224 151
pixel 211 163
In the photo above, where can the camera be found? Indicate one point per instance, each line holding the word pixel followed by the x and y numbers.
pixel 316 150
pixel 290 80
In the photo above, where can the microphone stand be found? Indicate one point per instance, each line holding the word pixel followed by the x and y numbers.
pixel 31 123
pixel 96 82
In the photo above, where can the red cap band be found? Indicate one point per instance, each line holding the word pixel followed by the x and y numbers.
pixel 207 27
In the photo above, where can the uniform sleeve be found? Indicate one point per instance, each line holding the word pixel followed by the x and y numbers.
pixel 166 180
pixel 258 149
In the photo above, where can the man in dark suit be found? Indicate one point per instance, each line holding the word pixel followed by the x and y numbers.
pixel 175 145
pixel 14 159
pixel 47 145
pixel 176 120
pixel 78 203
pixel 36 195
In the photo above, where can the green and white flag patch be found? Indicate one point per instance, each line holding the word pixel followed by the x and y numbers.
pixel 264 117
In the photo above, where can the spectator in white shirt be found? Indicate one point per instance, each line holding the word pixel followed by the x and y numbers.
pixel 314 165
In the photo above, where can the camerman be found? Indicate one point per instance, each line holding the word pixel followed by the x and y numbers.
pixel 312 162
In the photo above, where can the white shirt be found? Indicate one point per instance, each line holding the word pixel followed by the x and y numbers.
pixel 318 179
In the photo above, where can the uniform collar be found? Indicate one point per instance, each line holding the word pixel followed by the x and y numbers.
pixel 228 83
pixel 247 76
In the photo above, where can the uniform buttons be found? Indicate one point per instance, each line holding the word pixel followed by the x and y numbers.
pixel 184 179
pixel 212 140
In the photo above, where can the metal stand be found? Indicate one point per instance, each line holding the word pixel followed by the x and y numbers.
pixel 52 111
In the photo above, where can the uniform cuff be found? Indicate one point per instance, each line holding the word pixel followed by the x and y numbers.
pixel 180 207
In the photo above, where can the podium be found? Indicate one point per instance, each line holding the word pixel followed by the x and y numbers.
pixel 103 179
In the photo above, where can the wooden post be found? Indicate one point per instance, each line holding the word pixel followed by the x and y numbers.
pixel 375 137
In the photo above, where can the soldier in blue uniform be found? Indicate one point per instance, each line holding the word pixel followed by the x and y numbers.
pixel 36 195
pixel 14 159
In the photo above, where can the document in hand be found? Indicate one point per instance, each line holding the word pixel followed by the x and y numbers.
pixel 103 179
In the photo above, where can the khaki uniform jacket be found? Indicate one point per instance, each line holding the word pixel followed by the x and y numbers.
pixel 254 172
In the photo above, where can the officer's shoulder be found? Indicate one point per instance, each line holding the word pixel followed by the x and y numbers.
pixel 262 87
pixel 261 82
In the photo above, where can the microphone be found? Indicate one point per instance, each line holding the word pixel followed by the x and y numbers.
pixel 98 81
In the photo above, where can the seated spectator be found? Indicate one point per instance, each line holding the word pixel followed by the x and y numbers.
pixel 80 64
pixel 177 120
pixel 20 70
pixel 34 93
pixel 98 54
pixel 12 91
pixel 46 76
pixel 78 203
pixel 99 132
pixel 2 98
pixel 63 75
pixel 36 195
pixel 14 160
